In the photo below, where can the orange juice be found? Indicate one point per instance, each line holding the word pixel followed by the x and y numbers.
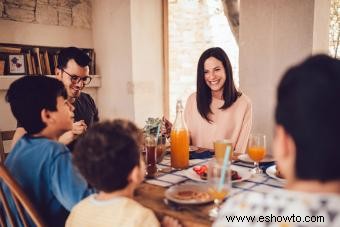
pixel 256 153
pixel 179 148
pixel 220 195
pixel 220 148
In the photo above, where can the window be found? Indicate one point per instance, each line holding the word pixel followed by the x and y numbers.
pixel 194 26
pixel 334 29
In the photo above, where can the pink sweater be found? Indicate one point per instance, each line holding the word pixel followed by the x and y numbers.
pixel 233 123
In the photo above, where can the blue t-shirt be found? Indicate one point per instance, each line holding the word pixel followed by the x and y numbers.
pixel 44 170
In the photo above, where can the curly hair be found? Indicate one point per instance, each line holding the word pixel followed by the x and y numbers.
pixel 107 153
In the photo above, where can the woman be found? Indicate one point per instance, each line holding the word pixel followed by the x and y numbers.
pixel 217 110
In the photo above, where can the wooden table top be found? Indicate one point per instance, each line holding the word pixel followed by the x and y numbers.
pixel 152 196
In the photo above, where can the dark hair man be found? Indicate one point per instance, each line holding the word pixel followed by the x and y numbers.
pixel 73 71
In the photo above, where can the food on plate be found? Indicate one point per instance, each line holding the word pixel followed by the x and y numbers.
pixel 234 175
pixel 192 195
pixel 202 171
pixel 278 173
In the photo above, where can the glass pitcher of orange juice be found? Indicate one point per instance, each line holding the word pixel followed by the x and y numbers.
pixel 179 140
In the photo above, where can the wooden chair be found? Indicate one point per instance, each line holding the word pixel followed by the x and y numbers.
pixel 23 205
pixel 4 135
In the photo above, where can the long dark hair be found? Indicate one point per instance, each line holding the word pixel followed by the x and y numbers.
pixel 203 97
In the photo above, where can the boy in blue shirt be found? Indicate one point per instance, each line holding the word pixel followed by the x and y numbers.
pixel 41 165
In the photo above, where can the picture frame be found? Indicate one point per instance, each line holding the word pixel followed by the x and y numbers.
pixel 2 67
pixel 16 64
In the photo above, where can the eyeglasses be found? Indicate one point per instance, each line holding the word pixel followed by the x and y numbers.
pixel 75 79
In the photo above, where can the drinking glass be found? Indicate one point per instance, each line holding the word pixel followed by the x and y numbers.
pixel 257 150
pixel 220 148
pixel 161 152
pixel 219 184
pixel 150 155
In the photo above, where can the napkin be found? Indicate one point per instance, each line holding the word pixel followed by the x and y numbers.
pixel 201 154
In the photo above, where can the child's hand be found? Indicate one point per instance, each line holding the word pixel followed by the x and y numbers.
pixel 79 127
pixel 170 222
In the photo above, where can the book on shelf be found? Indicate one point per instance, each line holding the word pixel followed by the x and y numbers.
pixel 47 63
pixel 39 60
pixel 34 65
pixel 29 63
pixel 10 50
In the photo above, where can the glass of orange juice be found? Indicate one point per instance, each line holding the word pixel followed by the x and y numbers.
pixel 219 184
pixel 257 150
pixel 220 148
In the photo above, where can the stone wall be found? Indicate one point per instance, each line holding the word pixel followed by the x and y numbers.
pixel 75 13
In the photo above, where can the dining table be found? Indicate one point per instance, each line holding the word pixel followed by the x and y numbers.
pixel 151 193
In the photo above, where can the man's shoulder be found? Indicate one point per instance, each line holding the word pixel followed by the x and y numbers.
pixel 85 97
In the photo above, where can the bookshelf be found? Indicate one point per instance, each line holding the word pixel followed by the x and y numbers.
pixel 6 80
pixel 18 60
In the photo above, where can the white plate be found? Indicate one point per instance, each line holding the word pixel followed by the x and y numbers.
pixel 245 174
pixel 171 192
pixel 245 158
pixel 271 170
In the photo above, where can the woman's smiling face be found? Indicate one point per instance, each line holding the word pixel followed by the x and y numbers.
pixel 215 76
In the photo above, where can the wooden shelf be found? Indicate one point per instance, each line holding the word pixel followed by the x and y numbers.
pixel 6 80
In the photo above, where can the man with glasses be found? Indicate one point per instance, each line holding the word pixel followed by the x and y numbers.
pixel 73 71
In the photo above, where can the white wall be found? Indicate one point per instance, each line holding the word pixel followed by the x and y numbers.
pixel 273 36
pixel 128 43
pixel 112 42
pixel 147 59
